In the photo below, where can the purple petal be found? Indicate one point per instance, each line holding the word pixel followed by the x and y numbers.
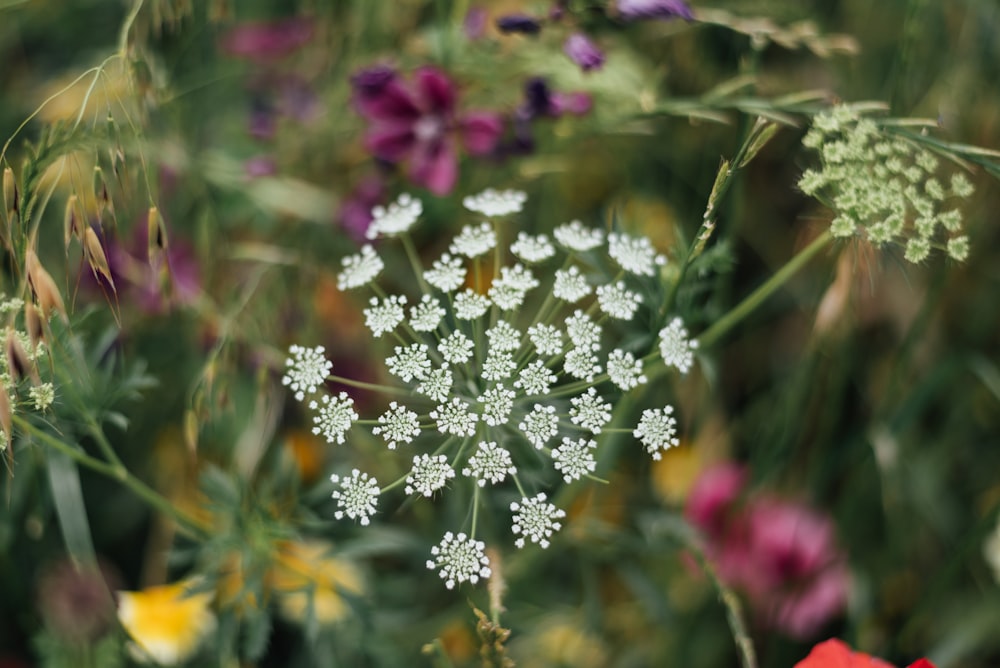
pixel 267 41
pixel 391 141
pixel 576 104
pixel 474 24
pixel 393 102
pixel 631 10
pixel 435 167
pixel 436 91
pixel 519 23
pixel 480 131
pixel 583 52
pixel 260 165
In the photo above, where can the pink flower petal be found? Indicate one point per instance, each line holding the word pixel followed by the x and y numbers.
pixel 480 131
pixel 435 167
pixel 436 91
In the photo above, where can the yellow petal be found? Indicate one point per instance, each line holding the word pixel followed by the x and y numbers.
pixel 307 569
pixel 168 622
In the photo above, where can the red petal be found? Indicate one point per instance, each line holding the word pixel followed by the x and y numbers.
pixel 921 663
pixel 831 653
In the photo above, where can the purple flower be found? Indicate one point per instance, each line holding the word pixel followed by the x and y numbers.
pixel 260 165
pixel 631 10
pixel 419 124
pixel 540 100
pixel 267 41
pixel 355 212
pixel 583 52
pixel 474 24
pixel 519 23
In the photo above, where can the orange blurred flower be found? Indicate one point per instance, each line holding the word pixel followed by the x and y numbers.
pixel 167 623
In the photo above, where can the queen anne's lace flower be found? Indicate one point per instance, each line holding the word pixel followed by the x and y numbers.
pixel 657 430
pixel 590 411
pixel 470 305
pixel 497 403
pixel 494 204
pixel 426 315
pixel 617 301
pixel 625 370
pixel 409 362
pixel 583 332
pixel 458 559
pixel 384 315
pixel 532 249
pixel 504 337
pixel 676 348
pixel 334 417
pixel 582 363
pixel 456 348
pixel 306 369
pixel 634 254
pixel 447 274
pixel 474 241
pixel 398 218
pixel 574 236
pixel 437 384
pixel 498 366
pixel 491 463
pixel 429 474
pixel 570 285
pixel 547 339
pixel 540 425
pixel 535 379
pixel 360 269
pixel 356 497
pixel 535 519
pixel 455 417
pixel 397 425
pixel 574 458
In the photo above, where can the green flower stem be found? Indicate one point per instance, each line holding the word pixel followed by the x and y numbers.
pixel 116 472
pixel 411 253
pixel 734 616
pixel 374 387
pixel 475 511
pixel 721 326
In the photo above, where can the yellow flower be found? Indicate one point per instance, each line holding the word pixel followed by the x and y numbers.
pixel 305 570
pixel 167 623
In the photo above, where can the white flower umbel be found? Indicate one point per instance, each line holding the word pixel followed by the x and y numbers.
pixel 583 332
pixel 590 412
pixel 334 417
pixel 582 363
pixel 657 430
pixel 456 348
pixel 455 417
pixel 399 217
pixel 437 384
pixel 574 458
pixel 535 519
pixel 470 305
pixel 575 237
pixel 494 204
pixel 384 315
pixel 540 425
pixel 357 496
pixel 305 370
pixel 409 362
pixel 504 337
pixel 625 370
pixel 474 241
pixel 548 340
pixel 635 255
pixel 496 404
pixel 532 249
pixel 459 559
pixel 429 474
pixel 676 349
pixel 535 379
pixel 426 315
pixel 617 301
pixel 498 366
pixel 447 274
pixel 570 285
pixel 359 270
pixel 397 425
pixel 491 464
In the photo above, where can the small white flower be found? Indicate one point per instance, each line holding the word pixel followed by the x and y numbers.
pixel 590 411
pixel 437 385
pixel 491 463
pixel 493 204
pixel 42 396
pixel 504 337
pixel 497 403
pixel 360 269
pixel 506 296
pixel 398 218
pixel 581 363
pixel 634 254
pixel 426 316
pixel 397 425
pixel 583 332
pixel 335 417
pixel 456 348
pixel 458 559
pixel 356 497
pixel 455 418
pixel 574 236
pixel 570 285
pixel 535 379
pixel 305 369
pixel 410 362
pixel 470 305
pixel 429 474
pixel 474 241
pixel 447 274
pixel 535 519
pixel 625 370
pixel 676 348
pixel 548 339
pixel 574 459
pixel 657 430
pixel 617 301
pixel 498 365
pixel 540 425
pixel 519 277
pixel 383 316
pixel 532 249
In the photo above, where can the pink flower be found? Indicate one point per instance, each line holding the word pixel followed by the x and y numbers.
pixel 267 41
pixel 834 653
pixel 713 496
pixel 583 52
pixel 419 124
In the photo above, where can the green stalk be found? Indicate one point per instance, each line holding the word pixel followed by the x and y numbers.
pixel 712 335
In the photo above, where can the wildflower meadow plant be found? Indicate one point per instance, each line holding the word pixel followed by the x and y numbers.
pixel 499 395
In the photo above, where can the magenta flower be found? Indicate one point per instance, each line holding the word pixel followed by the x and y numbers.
pixel 267 41
pixel 632 10
pixel 583 52
pixel 419 124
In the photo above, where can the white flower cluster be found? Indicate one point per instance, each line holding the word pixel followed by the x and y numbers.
pixel 500 390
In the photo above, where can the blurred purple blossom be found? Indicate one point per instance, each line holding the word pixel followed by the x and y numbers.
pixel 475 22
pixel 632 10
pixel 518 23
pixel 583 52
pixel 355 212
pixel 267 41
pixel 419 124
pixel 260 165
